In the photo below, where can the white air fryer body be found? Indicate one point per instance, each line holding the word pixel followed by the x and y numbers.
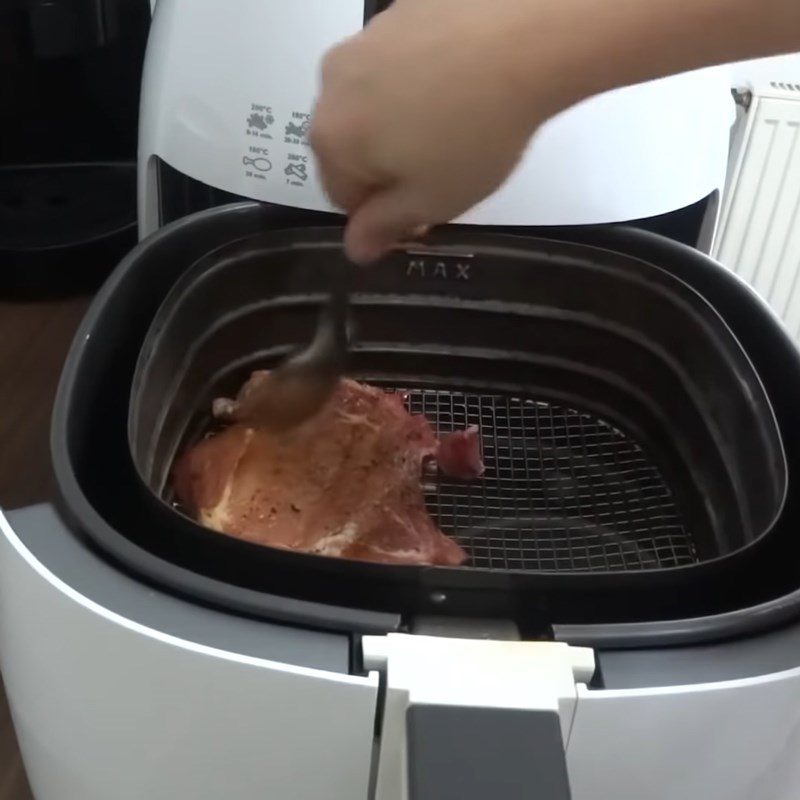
pixel 228 89
pixel 120 691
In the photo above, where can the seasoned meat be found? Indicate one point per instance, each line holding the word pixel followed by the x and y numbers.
pixel 459 454
pixel 346 484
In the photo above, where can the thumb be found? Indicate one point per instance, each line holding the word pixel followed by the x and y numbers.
pixel 385 218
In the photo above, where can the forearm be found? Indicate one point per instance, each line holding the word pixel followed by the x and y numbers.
pixel 599 45
pixel 428 110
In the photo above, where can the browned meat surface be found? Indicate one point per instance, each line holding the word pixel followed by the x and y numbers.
pixel 347 484
pixel 459 454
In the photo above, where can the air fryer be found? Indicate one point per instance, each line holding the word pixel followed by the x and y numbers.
pixel 635 468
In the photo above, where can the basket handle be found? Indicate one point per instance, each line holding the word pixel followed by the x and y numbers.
pixel 473 753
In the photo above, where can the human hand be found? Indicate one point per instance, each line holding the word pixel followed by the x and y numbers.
pixel 425 113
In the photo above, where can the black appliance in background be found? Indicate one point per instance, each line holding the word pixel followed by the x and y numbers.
pixel 70 72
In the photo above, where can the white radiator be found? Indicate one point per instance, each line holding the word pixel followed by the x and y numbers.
pixel 759 228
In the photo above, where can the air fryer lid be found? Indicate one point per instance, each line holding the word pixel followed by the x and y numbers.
pixel 629 443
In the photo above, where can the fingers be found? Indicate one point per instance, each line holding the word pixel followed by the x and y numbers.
pixel 342 170
pixel 377 218
pixel 344 189
pixel 383 219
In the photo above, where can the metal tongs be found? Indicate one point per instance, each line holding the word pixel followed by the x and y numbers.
pixel 299 387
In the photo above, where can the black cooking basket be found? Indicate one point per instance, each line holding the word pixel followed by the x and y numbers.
pixel 627 438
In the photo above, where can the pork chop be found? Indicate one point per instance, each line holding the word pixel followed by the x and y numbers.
pixel 346 484
pixel 459 454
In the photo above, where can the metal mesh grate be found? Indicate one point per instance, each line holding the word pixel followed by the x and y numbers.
pixel 563 490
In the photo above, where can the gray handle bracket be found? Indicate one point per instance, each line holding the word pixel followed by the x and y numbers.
pixel 469 719
pixel 461 753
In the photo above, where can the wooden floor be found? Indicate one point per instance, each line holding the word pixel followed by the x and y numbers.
pixel 34 338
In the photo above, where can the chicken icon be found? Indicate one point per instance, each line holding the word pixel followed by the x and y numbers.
pixel 260 163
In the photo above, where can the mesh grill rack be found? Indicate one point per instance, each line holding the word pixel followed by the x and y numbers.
pixel 563 489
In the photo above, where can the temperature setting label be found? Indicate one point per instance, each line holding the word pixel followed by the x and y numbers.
pixel 257 163
pixel 276 151
pixel 259 121
pixel 296 170
pixel 297 128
